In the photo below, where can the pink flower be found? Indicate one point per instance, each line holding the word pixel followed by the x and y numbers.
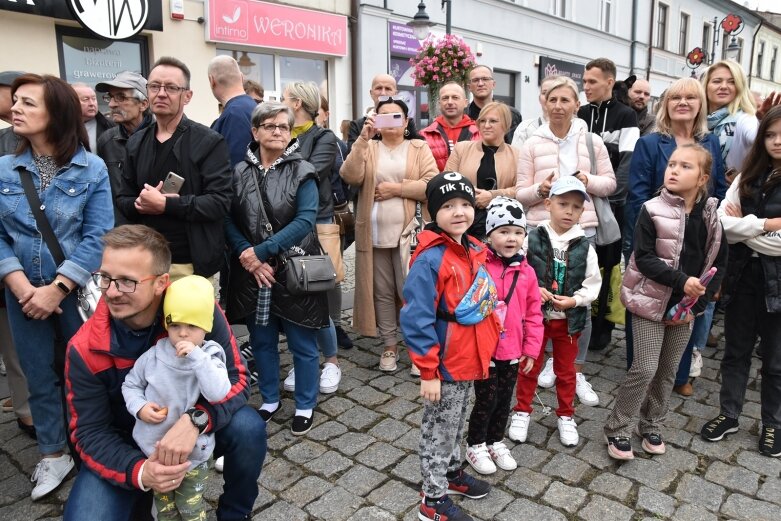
pixel 435 78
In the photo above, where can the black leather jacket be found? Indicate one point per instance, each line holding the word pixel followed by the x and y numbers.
pixel 279 187
pixel 318 147
pixel 111 149
pixel 204 199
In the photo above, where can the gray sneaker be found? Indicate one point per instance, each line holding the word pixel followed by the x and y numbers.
pixel 48 475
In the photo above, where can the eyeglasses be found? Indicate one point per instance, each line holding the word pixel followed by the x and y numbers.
pixel 486 122
pixel 154 88
pixel 123 285
pixel 270 128
pixel 381 99
pixel 118 97
pixel 485 79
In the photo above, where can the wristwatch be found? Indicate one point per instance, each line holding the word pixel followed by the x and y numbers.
pixel 199 418
pixel 62 286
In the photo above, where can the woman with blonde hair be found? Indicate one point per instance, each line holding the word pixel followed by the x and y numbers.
pixel 558 148
pixel 490 163
pixel 392 174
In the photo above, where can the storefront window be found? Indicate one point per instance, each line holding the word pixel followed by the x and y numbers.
pixel 91 60
pixel 254 66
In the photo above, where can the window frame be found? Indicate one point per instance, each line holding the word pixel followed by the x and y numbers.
pixel 662 25
pixel 683 33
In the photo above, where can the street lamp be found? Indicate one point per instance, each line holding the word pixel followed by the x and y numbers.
pixel 732 25
pixel 421 23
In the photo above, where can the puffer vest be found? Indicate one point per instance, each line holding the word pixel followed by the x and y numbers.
pixel 765 203
pixel 540 257
pixel 278 187
pixel 641 295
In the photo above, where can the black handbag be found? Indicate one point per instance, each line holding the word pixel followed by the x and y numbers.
pixel 305 274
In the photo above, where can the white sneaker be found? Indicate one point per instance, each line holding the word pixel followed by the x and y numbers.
pixel 568 431
pixel 219 463
pixel 330 378
pixel 502 457
pixel 290 381
pixel 547 377
pixel 696 368
pixel 49 473
pixel 414 371
pixel 585 393
pixel 480 459
pixel 519 426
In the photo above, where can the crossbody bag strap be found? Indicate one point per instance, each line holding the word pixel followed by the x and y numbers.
pixel 591 158
pixel 263 217
pixel 44 227
pixel 512 288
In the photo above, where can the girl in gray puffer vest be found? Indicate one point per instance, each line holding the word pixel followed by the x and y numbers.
pixel 678 238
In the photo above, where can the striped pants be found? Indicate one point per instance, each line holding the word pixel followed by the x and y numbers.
pixel 649 382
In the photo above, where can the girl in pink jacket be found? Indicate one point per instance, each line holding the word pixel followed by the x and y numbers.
pixel 520 340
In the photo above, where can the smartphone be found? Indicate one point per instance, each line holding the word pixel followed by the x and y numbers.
pixel 173 183
pixel 392 120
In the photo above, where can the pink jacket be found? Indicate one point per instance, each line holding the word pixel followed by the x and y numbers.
pixel 523 329
pixel 540 156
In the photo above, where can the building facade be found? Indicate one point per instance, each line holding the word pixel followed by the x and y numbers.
pixel 765 76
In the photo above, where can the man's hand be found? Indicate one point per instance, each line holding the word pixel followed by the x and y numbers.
pixel 482 197
pixel 178 442
pixel 151 200
pixel 183 348
pixel 152 413
pixel 163 478
pixel 431 390
pixel 42 302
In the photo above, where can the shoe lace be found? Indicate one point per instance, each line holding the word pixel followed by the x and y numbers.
pixel 41 470
pixel 582 382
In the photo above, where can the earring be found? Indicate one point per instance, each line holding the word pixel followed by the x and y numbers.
pixel 406 132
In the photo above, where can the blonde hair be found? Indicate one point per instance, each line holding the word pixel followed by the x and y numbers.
pixel 743 99
pixel 308 93
pixel 501 108
pixel 682 87
pixel 562 81
pixel 705 164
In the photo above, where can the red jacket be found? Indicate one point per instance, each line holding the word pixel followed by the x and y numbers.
pixel 441 272
pixel 436 135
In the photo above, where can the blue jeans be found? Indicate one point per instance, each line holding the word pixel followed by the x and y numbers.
pixel 34 340
pixel 698 339
pixel 242 442
pixel 326 340
pixel 302 343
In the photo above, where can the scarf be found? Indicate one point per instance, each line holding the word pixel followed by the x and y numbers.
pixel 301 129
pixel 722 124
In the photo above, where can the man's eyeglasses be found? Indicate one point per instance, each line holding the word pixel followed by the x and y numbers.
pixel 154 88
pixel 485 79
pixel 270 128
pixel 118 97
pixel 123 285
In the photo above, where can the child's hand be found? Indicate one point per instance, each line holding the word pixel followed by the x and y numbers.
pixel 152 413
pixel 561 303
pixel 183 348
pixel 685 319
pixel 431 389
pixel 525 364
pixel 545 295
pixel 693 288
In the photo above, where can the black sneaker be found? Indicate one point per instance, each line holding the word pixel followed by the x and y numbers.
pixel 267 415
pixel 442 509
pixel 718 427
pixel 462 484
pixel 619 447
pixel 769 443
pixel 652 443
pixel 343 340
pixel 302 424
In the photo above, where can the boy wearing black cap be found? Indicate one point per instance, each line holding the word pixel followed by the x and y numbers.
pixel 450 342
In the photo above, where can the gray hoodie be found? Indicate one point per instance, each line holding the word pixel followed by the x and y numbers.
pixel 161 377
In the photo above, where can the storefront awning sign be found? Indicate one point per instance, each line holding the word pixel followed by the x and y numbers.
pixel 554 67
pixel 261 24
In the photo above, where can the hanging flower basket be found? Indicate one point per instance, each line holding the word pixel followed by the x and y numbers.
pixel 439 61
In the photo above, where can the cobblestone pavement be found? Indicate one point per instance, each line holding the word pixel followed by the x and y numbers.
pixel 360 461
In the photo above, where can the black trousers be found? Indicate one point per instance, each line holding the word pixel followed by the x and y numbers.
pixel 745 318
pixel 492 404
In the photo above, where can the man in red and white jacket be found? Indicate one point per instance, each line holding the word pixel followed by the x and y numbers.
pixel 451 126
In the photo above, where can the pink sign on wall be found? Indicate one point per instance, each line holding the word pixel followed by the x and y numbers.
pixel 250 22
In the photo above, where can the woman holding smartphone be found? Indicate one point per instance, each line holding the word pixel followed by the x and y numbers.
pixel 392 174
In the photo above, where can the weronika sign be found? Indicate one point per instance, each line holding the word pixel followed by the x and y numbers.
pixel 261 24
pixel 111 19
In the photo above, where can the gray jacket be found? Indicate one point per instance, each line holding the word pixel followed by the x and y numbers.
pixel 161 377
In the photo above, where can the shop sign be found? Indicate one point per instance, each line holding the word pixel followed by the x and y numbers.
pixel 261 24
pixel 401 40
pixel 553 67
pixel 111 19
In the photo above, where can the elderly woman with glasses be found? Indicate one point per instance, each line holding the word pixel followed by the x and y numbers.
pixel 73 187
pixel 275 176
pixel 392 174
pixel 490 163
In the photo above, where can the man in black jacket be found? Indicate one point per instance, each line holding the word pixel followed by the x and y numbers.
pixel 192 218
pixel 95 122
pixel 481 85
pixel 126 97
pixel 8 140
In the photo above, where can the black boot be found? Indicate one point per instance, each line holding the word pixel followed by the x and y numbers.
pixel 342 339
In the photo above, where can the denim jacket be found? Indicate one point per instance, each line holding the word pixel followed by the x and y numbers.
pixel 78 206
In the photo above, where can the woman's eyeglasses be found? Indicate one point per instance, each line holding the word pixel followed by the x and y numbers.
pixel 381 99
pixel 270 128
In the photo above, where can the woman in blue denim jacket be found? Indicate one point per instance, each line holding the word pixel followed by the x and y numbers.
pixel 74 190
